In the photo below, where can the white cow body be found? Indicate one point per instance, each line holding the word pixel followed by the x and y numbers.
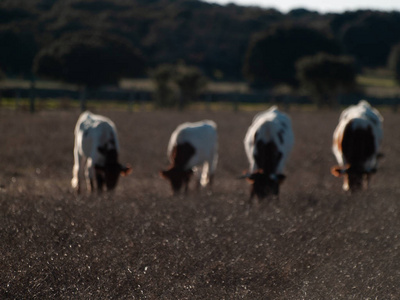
pixel 95 138
pixel 202 139
pixel 366 121
pixel 268 143
pixel 267 125
pixel 362 115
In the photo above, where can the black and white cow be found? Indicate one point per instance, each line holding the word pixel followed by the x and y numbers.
pixel 192 145
pixel 96 151
pixel 268 143
pixel 356 142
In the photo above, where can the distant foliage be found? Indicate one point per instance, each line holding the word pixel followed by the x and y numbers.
pixel 368 35
pixel 215 38
pixel 271 56
pixel 177 85
pixel 190 81
pixel 165 93
pixel 2 75
pixel 89 59
pixel 18 48
pixel 394 62
pixel 325 76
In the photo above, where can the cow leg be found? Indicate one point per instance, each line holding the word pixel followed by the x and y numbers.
pixel 211 166
pixel 89 175
pixel 211 180
pixel 197 175
pixel 76 170
pixel 205 174
pixel 186 183
pixel 100 182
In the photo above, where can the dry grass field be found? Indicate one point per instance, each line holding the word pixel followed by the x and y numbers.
pixel 316 242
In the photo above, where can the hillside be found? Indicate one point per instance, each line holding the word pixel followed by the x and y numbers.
pixel 210 36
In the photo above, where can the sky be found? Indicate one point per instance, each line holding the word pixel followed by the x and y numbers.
pixel 322 6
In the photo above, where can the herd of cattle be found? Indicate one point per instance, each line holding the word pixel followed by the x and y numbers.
pixel 268 143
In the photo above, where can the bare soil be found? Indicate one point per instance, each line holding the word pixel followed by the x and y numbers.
pixel 315 242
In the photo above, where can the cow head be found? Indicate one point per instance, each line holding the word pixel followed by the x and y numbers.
pixel 354 178
pixel 177 177
pixel 109 173
pixel 264 185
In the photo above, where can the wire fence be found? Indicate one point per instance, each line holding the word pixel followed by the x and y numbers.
pixel 33 99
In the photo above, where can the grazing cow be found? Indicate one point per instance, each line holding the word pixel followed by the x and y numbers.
pixel 96 145
pixel 268 143
pixel 192 145
pixel 356 143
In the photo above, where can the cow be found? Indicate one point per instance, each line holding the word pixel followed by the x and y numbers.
pixel 268 143
pixel 192 145
pixel 96 151
pixel 356 143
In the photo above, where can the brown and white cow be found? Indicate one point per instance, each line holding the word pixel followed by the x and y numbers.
pixel 96 151
pixel 356 142
pixel 192 145
pixel 268 143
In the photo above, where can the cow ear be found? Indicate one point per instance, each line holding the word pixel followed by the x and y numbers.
pixel 337 171
pixel 281 178
pixel 164 174
pixel 245 175
pixel 252 177
pixel 126 170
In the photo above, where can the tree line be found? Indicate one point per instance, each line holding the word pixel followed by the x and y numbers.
pixel 93 43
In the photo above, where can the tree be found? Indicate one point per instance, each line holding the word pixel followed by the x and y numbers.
pixel 177 85
pixel 17 51
pixel 190 81
pixel 271 56
pixel 2 75
pixel 394 62
pixel 369 36
pixel 325 76
pixel 89 59
pixel 165 93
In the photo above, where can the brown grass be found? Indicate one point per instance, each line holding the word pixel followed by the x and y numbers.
pixel 140 243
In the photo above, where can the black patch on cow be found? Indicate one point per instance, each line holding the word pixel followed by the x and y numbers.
pixel 357 145
pixel 177 174
pixel 268 157
pixel 111 157
pixel 110 171
pixel 181 155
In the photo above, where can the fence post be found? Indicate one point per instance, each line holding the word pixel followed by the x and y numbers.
pixel 208 101
pixel 131 101
pixel 395 105
pixel 82 98
pixel 17 97
pixel 32 95
pixel 235 102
